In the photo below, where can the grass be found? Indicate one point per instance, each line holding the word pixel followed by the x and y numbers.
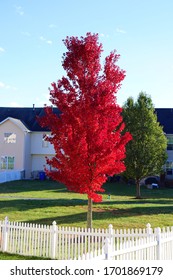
pixel 45 201
pixel 6 256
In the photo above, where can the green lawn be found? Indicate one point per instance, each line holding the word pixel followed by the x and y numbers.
pixel 6 256
pixel 46 201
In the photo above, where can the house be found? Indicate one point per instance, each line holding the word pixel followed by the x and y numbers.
pixel 23 146
pixel 22 141
pixel 165 118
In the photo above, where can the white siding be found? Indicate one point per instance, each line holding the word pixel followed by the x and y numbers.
pixel 36 144
pixel 15 150
pixel 38 162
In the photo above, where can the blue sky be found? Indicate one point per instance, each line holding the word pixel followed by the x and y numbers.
pixel 31 46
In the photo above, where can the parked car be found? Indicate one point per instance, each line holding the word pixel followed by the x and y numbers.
pixel 152 182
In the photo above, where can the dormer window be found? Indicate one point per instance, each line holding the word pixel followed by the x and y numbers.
pixel 9 138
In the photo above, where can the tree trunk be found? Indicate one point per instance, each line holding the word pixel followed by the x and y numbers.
pixel 138 189
pixel 89 213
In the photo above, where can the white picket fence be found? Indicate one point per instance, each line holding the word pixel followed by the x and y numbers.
pixel 69 243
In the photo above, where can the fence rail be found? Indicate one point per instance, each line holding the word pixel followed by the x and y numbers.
pixel 72 243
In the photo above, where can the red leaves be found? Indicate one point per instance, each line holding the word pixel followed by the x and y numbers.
pixel 88 137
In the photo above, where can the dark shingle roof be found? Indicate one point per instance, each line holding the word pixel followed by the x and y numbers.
pixel 26 115
pixel 165 118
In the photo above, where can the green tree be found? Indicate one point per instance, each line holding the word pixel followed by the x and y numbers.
pixel 146 153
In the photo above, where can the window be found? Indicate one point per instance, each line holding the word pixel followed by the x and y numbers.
pixel 3 162
pixel 44 141
pixel 7 163
pixel 169 167
pixel 10 162
pixel 9 138
pixel 170 142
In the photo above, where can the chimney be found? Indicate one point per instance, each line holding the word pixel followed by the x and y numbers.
pixel 33 107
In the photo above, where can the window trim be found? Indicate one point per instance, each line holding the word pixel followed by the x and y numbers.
pixel 6 164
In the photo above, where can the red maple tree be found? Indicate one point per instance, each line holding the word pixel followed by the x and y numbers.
pixel 88 135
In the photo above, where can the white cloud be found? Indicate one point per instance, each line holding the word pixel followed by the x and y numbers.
pixel 2 85
pixel 5 86
pixel 119 30
pixel 45 40
pixel 19 10
pixel 104 35
pixel 2 50
pixel 52 25
pixel 15 104
pixel 43 100
pixel 25 33
pixel 42 38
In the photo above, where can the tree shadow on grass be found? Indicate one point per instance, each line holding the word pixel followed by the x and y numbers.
pixel 31 185
pixel 132 201
pixel 133 211
pixel 27 204
pixel 9 205
pixel 53 186
pixel 61 220
pixel 130 191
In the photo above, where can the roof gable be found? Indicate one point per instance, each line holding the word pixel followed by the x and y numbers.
pixel 27 116
pixel 16 122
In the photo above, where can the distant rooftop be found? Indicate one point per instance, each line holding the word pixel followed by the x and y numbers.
pixel 26 115
pixel 165 118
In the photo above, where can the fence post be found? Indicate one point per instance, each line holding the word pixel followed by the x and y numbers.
pixel 53 243
pixel 108 246
pixel 149 229
pixel 158 236
pixel 5 235
pixel 111 235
